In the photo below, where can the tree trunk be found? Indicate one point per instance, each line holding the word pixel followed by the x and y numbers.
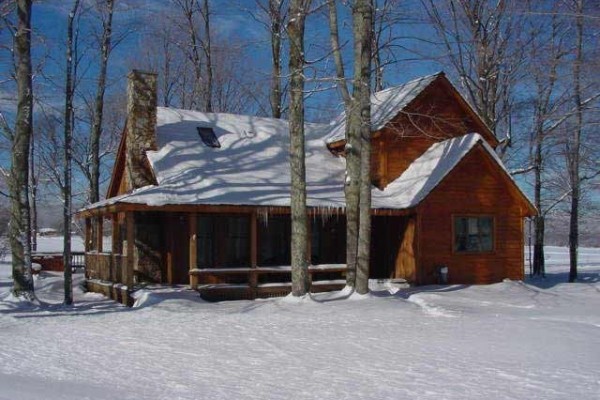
pixel 208 53
pixel 96 133
pixel 574 147
pixel 99 104
pixel 352 152
pixel 538 246
pixel 337 55
pixel 68 136
pixel 189 8
pixel 376 57
pixel 299 246
pixel 19 179
pixel 276 31
pixel 545 59
pixel 352 192
pixel 33 224
pixel 363 25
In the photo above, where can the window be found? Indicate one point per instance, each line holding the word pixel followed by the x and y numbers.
pixel 274 241
pixel 208 137
pixel 238 242
pixel 223 241
pixel 205 242
pixel 328 240
pixel 473 234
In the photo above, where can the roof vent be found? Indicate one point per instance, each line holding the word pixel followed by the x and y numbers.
pixel 208 137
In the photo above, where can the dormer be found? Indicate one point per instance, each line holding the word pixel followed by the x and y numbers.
pixel 406 120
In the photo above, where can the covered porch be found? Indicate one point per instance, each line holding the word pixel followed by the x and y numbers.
pixel 232 252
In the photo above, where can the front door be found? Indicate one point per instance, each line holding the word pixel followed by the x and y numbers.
pixel 392 248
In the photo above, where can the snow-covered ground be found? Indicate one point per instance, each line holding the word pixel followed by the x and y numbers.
pixel 55 243
pixel 512 340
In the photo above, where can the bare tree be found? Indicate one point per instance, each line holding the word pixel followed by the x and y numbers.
pixel 277 19
pixel 105 49
pixel 482 45
pixel 50 167
pixel 33 193
pixel 352 151
pixel 358 140
pixel 193 49
pixel 68 136
pixel 206 46
pixel 547 51
pixel 19 178
pixel 336 50
pixel 362 16
pixel 106 11
pixel 387 42
pixel 272 15
pixel 299 246
pixel 169 50
pixel 573 144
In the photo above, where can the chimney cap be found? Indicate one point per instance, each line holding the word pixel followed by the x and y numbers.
pixel 134 72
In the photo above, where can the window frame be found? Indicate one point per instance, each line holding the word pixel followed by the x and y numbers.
pixel 218 236
pixel 493 218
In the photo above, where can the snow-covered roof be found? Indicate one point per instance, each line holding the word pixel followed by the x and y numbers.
pixel 427 171
pixel 251 166
pixel 385 105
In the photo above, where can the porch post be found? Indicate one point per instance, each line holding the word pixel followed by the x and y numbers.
pixel 170 220
pixel 99 233
pixel 115 233
pixel 128 278
pixel 112 263
pixel 309 241
pixel 309 248
pixel 88 235
pixel 253 278
pixel 193 256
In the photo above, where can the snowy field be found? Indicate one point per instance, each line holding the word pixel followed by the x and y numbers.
pixel 538 340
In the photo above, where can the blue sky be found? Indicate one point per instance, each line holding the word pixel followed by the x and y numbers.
pixel 232 25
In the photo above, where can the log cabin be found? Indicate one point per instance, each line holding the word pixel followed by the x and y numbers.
pixel 203 198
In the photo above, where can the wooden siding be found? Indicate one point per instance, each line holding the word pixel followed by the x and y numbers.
pixel 438 113
pixel 116 178
pixel 433 117
pixel 476 187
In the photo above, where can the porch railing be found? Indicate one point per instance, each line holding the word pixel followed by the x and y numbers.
pixel 53 261
pixel 104 266
pixel 246 282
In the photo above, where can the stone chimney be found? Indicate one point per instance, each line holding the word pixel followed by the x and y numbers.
pixel 141 127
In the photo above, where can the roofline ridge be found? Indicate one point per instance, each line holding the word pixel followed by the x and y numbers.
pixel 418 79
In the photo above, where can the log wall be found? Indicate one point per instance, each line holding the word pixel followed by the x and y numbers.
pixel 434 116
pixel 474 188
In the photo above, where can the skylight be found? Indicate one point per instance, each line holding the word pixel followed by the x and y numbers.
pixel 208 137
